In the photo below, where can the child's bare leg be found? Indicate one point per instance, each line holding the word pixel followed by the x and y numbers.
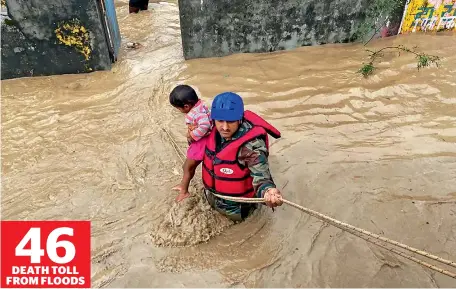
pixel 189 168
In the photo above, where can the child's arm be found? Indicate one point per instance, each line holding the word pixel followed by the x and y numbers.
pixel 203 126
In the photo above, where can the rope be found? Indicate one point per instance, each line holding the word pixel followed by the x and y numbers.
pixel 445 272
pixel 329 219
pixel 348 228
pixel 334 221
pixel 180 153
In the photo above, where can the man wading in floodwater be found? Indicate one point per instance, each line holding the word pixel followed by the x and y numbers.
pixel 236 158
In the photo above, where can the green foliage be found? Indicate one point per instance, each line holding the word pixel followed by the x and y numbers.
pixel 426 60
pixel 367 69
pixel 9 22
pixel 423 59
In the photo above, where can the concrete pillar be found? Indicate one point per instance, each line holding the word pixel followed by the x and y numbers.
pixel 45 37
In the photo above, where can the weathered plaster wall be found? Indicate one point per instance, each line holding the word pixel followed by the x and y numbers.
pixel 45 37
pixel 213 28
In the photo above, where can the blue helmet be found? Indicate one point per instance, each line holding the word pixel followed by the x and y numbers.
pixel 227 106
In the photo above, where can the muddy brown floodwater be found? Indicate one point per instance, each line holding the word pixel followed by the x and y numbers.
pixel 377 153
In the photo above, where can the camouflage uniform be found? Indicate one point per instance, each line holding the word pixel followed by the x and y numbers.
pixel 254 155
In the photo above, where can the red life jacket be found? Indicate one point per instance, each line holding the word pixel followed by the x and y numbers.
pixel 222 173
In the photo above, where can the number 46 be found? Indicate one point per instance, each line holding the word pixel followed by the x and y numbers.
pixel 35 252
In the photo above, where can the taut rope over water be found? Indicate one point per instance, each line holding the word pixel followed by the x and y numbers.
pixel 366 235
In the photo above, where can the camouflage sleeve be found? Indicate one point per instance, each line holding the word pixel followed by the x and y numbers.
pixel 254 155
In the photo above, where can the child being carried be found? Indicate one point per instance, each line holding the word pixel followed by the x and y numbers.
pixel 197 118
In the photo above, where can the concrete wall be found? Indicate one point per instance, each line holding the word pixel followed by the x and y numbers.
pixel 45 37
pixel 213 28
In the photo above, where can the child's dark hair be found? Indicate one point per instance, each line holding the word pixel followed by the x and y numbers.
pixel 182 95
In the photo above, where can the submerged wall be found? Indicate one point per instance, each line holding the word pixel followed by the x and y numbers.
pixel 45 37
pixel 213 28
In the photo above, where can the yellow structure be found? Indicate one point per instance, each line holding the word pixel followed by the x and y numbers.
pixel 429 16
pixel 72 33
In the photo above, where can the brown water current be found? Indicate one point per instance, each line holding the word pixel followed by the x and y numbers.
pixel 377 153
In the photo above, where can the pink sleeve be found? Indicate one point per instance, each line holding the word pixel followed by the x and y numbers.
pixel 188 118
pixel 204 125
